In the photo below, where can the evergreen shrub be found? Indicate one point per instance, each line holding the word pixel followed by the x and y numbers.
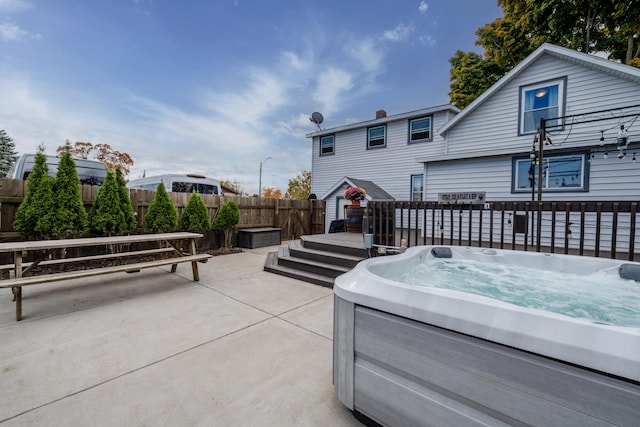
pixel 195 216
pixel 162 215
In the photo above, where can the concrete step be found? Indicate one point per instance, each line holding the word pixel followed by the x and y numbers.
pixel 298 250
pixel 334 248
pixel 272 266
pixel 285 259
pixel 314 260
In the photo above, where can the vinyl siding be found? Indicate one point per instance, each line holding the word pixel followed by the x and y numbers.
pixel 609 179
pixel 390 167
pixel 476 153
pixel 493 128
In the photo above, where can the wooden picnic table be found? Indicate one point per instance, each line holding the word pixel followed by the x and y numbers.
pixel 45 249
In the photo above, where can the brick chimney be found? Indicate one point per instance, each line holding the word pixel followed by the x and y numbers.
pixel 381 114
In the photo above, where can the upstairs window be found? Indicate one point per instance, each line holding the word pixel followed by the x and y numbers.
pixel 377 137
pixel 544 100
pixel 420 130
pixel 327 145
pixel 417 188
pixel 568 172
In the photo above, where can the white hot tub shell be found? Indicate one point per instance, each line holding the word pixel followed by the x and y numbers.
pixel 413 355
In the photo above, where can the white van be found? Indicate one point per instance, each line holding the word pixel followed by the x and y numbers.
pixel 177 183
pixel 90 172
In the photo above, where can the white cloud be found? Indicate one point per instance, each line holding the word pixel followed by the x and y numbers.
pixel 9 5
pixel 368 55
pixel 12 32
pixel 427 40
pixel 331 84
pixel 423 7
pixel 398 34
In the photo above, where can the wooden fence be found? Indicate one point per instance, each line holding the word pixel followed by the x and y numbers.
pixel 594 228
pixel 294 217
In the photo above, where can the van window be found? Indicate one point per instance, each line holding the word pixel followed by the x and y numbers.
pixel 91 172
pixel 189 187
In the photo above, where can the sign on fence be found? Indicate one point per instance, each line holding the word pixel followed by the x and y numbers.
pixel 462 198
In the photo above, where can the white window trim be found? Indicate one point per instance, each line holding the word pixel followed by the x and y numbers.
pixel 560 82
pixel 384 144
pixel 584 174
pixel 417 141
pixel 414 192
pixel 333 146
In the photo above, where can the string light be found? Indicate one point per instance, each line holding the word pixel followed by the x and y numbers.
pixel 606 154
pixel 601 138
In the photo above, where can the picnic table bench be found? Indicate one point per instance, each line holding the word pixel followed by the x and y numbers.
pixel 45 249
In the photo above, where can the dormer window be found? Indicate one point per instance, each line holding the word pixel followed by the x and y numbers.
pixel 542 100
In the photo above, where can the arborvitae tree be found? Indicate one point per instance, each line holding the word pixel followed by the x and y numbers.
pixel 125 203
pixel 106 216
pixel 43 206
pixel 195 216
pixel 36 210
pixel 162 215
pixel 70 214
pixel 228 217
pixel 8 154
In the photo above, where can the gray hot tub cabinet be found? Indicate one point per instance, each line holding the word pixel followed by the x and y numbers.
pixel 399 372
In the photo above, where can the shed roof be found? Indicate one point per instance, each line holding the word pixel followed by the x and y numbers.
pixel 374 192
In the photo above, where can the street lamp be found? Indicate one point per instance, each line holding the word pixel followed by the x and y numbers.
pixel 260 181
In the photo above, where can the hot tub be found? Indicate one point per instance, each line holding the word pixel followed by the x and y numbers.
pixel 419 354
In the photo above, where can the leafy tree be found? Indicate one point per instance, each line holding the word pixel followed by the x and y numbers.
pixel 130 223
pixel 36 212
pixel 300 187
pixel 70 214
pixel 272 193
pixel 471 75
pixel 8 154
pixel 114 159
pixel 611 26
pixel 162 215
pixel 195 216
pixel 106 216
pixel 228 217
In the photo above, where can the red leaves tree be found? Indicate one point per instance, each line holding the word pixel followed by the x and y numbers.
pixel 114 159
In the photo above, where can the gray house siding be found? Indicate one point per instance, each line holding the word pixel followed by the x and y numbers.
pixel 474 150
pixel 492 129
pixel 390 167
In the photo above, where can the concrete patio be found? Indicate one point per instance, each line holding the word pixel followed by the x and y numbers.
pixel 241 347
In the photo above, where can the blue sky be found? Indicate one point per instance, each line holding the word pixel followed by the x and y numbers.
pixel 217 86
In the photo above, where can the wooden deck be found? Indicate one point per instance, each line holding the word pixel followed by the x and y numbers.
pixel 348 240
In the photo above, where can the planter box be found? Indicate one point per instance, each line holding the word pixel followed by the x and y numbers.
pixel 251 238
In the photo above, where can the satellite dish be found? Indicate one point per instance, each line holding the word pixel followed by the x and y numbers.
pixel 317 118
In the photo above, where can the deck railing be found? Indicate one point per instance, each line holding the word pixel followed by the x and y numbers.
pixel 594 228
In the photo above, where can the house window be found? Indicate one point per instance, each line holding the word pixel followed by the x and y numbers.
pixel 420 130
pixel 417 188
pixel 544 100
pixel 567 172
pixel 376 137
pixel 327 145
